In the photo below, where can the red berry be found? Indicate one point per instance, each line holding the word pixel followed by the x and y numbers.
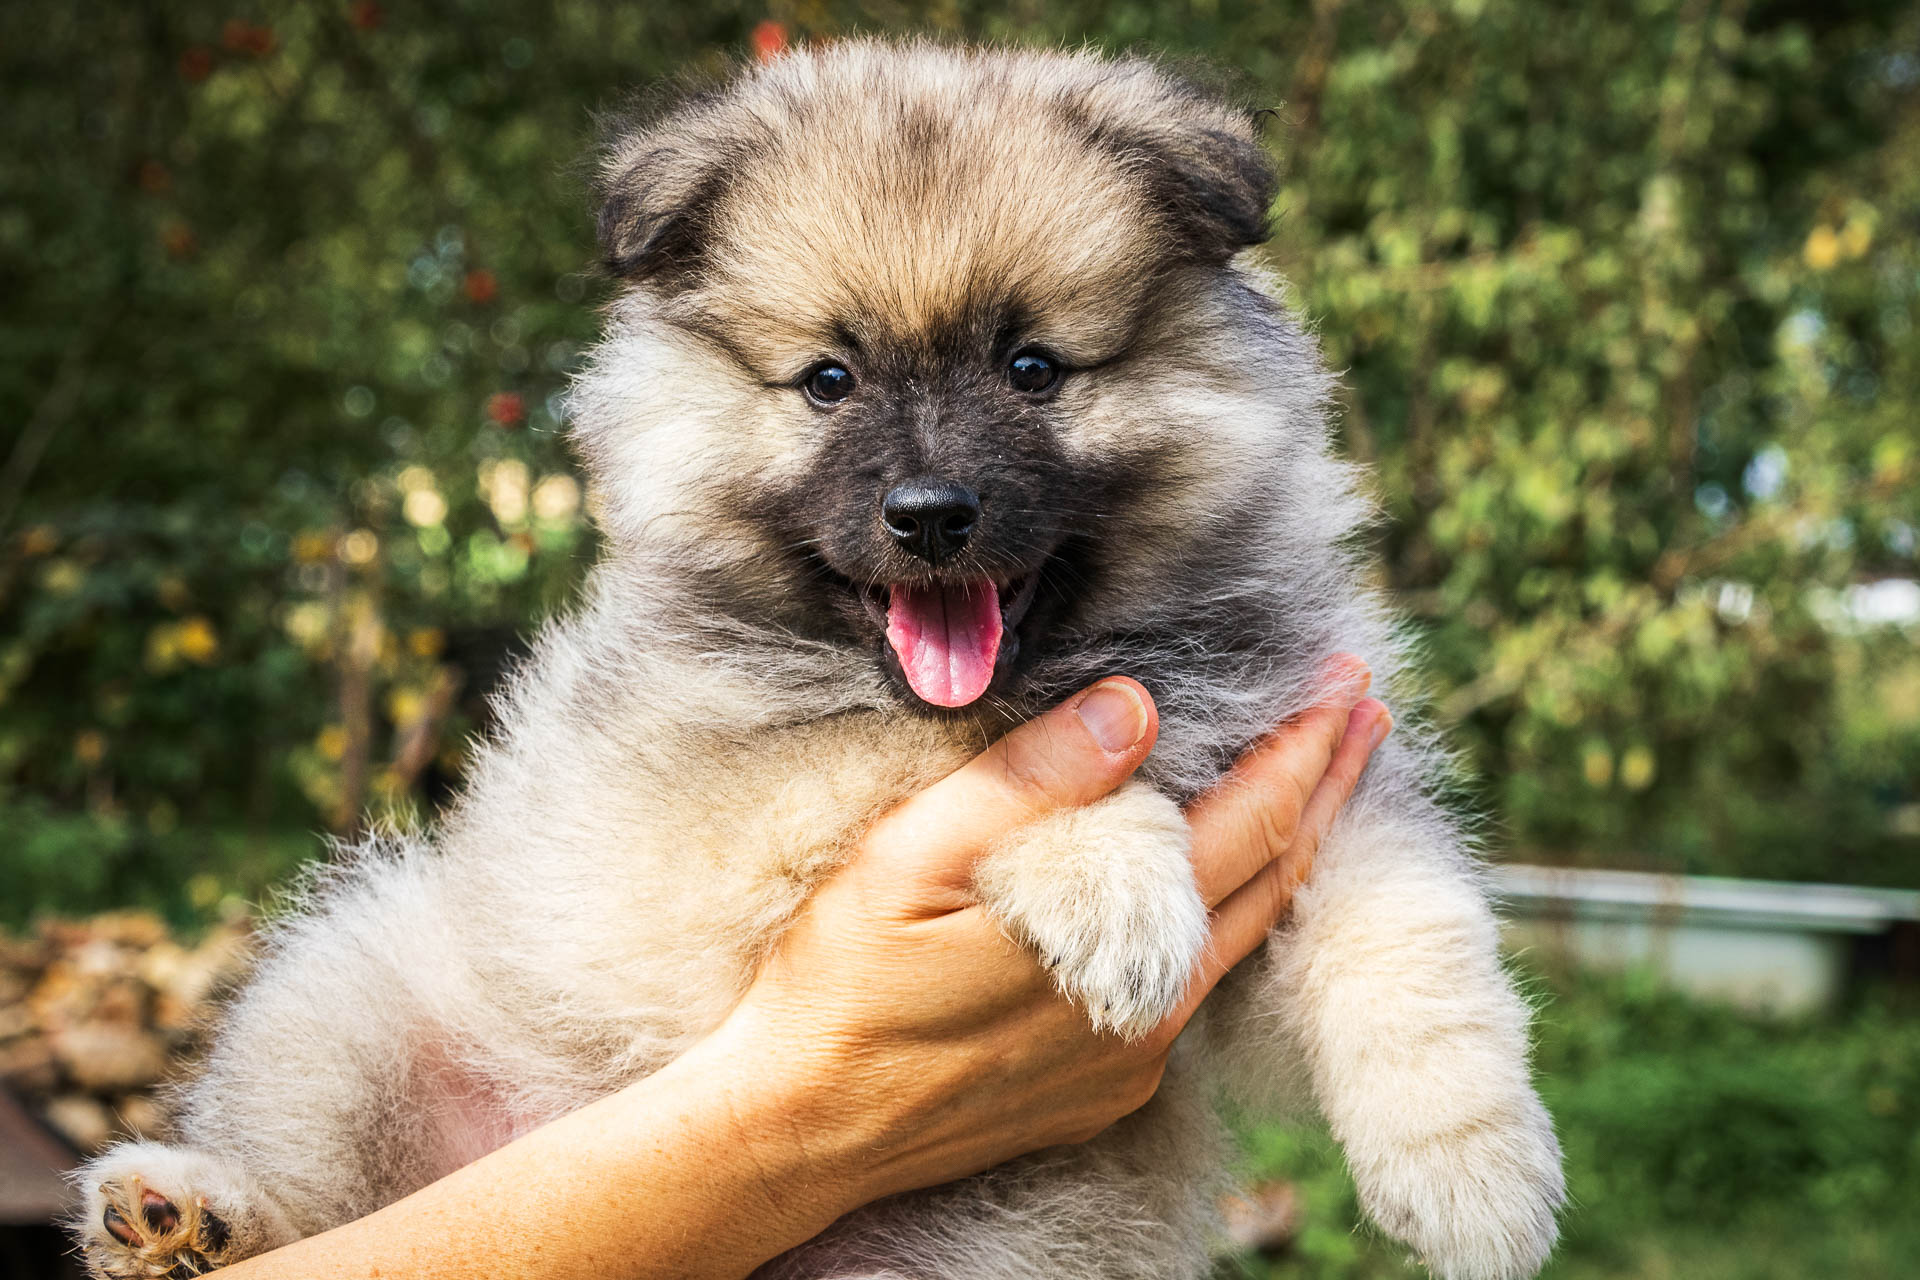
pixel 769 40
pixel 506 408
pixel 241 36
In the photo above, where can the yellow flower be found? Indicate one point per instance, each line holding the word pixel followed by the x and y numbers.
pixel 62 577
pixel 404 706
pixel 1822 248
pixel 163 648
pixel 1637 768
pixel 1597 764
pixel 196 641
pixel 331 742
pixel 1856 237
pixel 203 890
pixel 90 747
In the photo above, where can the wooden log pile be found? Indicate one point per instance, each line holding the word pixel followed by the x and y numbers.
pixel 95 1014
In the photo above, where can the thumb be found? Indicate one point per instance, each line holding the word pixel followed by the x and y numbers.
pixel 1071 756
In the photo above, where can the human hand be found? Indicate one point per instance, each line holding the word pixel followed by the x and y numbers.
pixel 913 1043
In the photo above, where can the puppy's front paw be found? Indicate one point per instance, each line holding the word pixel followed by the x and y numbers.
pixel 1476 1203
pixel 1105 896
pixel 153 1211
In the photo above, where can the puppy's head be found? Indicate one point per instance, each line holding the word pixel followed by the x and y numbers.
pixel 939 353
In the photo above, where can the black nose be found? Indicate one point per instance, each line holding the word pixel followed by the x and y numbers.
pixel 931 521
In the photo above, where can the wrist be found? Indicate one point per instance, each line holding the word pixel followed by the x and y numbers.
pixel 807 1140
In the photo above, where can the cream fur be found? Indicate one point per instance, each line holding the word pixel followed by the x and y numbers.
pixel 686 757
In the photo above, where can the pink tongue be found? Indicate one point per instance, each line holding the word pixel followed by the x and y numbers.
pixel 947 639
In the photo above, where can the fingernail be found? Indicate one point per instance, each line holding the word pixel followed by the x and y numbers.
pixel 1114 715
pixel 1382 726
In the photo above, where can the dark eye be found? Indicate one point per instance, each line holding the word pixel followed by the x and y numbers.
pixel 1032 373
pixel 829 384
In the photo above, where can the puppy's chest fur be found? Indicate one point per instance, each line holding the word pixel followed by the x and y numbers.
pixel 794 799
pixel 672 877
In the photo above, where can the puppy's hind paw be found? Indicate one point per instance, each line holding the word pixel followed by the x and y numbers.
pixel 167 1213
pixel 1475 1204
pixel 1104 895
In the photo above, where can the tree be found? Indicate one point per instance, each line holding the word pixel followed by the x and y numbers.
pixel 1625 300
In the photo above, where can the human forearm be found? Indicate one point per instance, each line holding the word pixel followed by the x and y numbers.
pixel 697 1173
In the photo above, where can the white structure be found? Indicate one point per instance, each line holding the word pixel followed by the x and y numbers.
pixel 1778 947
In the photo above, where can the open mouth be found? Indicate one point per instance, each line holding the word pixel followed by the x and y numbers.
pixel 951 637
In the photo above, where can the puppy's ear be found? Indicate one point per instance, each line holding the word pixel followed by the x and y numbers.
pixel 659 186
pixel 1215 185
pixel 1199 158
pixel 654 205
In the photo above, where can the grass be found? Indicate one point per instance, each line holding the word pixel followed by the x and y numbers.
pixel 1702 1144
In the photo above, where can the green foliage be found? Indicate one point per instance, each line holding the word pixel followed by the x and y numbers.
pixel 1625 297
pixel 1699 1143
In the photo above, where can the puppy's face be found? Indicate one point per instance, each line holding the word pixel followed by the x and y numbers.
pixel 929 347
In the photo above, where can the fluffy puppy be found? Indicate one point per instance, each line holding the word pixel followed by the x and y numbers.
pixel 936 389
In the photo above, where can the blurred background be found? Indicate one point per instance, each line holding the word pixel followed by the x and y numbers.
pixel 1625 296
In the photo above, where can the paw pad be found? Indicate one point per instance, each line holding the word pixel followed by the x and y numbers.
pixel 154 1238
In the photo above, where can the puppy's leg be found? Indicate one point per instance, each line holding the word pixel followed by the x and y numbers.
pixel 150 1211
pixel 1105 895
pixel 270 1129
pixel 1388 980
pixel 319 1102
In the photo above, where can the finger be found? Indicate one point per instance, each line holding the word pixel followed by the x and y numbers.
pixel 1368 725
pixel 1249 913
pixel 1073 755
pixel 1250 817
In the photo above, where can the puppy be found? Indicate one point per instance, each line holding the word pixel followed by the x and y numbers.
pixel 936 389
